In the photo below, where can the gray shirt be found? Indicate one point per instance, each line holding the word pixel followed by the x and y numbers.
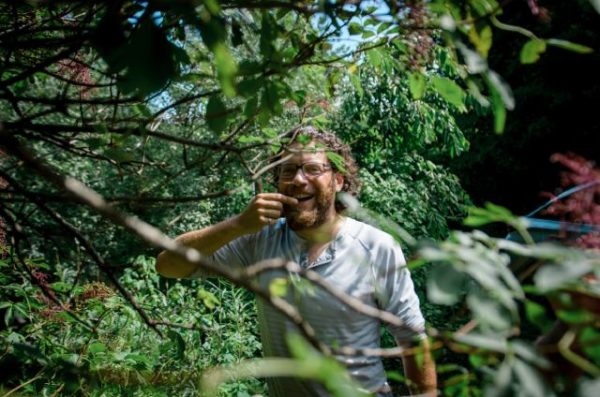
pixel 364 262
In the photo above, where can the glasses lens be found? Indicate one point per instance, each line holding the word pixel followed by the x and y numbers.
pixel 287 171
pixel 313 169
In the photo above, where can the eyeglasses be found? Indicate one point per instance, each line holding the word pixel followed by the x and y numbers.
pixel 310 169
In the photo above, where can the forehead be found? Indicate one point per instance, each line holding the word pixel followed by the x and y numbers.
pixel 311 151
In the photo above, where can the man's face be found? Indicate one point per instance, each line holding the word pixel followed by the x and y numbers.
pixel 316 195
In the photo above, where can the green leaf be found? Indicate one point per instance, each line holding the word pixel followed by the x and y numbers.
pixel 355 28
pixel 299 96
pixel 250 107
pixel 179 343
pixel 97 347
pixel 119 155
pixel 250 87
pixel 502 99
pixel 278 287
pixel 450 91
pixel 567 45
pixel 213 6
pixel 355 80
pixel 530 53
pixel 416 84
pixel 216 114
pixel 445 284
pixel 208 298
pixel 374 57
pixel 226 69
pixel 502 89
pixel 482 39
pixel 536 314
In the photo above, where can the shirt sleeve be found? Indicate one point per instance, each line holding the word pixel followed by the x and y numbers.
pixel 396 293
pixel 236 253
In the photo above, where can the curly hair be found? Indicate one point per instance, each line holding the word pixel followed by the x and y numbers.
pixel 345 164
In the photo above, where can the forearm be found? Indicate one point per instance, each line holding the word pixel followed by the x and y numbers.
pixel 419 369
pixel 206 241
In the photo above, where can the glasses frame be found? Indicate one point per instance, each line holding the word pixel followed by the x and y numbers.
pixel 326 168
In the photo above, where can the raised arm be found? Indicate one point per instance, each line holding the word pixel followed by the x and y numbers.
pixel 263 210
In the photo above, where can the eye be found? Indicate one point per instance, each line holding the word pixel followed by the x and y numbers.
pixel 313 169
pixel 287 171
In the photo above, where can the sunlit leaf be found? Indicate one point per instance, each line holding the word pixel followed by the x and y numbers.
pixel 278 287
pixel 531 51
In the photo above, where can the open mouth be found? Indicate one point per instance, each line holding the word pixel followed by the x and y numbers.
pixel 303 198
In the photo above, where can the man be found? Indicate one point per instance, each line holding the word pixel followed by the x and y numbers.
pixel 304 223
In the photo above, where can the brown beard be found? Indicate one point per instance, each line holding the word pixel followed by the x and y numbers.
pixel 304 219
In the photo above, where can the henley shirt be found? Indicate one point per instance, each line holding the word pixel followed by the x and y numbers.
pixel 362 261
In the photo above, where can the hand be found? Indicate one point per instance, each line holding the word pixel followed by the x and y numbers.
pixel 264 209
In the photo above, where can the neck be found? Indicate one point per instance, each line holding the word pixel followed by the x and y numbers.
pixel 323 233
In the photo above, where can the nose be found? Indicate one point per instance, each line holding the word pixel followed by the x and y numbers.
pixel 299 177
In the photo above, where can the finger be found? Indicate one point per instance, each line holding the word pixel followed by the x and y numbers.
pixel 269 213
pixel 266 220
pixel 270 204
pixel 281 198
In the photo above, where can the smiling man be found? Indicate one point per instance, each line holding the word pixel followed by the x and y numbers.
pixel 303 222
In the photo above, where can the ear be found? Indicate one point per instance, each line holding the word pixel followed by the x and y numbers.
pixel 339 181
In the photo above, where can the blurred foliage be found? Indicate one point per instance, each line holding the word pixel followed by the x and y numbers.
pixel 171 110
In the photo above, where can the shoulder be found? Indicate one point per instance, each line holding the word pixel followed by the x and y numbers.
pixel 369 236
pixel 382 249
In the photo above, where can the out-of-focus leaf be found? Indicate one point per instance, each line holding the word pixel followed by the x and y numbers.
pixel 226 69
pixel 97 347
pixel 179 343
pixel 530 379
pixel 482 39
pixel 501 386
pixel 589 387
pixel 278 287
pixel 555 275
pixel 487 342
pixel 119 155
pixel 208 298
pixel 355 80
pixel 531 51
pixel 536 314
pixel 375 58
pixel 416 84
pixel 250 107
pixel 595 4
pixel 489 311
pixel 250 87
pixel 216 114
pixel 568 45
pixel 502 99
pixel 450 91
pixel 355 28
pixel 445 284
